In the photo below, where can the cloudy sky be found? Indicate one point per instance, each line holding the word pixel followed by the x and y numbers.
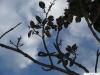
pixel 14 11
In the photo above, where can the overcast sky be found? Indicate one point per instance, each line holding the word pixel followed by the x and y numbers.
pixel 14 11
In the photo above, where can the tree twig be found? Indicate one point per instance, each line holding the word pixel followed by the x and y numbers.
pixel 43 35
pixel 76 63
pixel 88 22
pixel 97 58
pixel 38 62
pixel 50 7
pixel 56 45
pixel 9 30
pixel 91 29
pixel 80 66
pixel 45 46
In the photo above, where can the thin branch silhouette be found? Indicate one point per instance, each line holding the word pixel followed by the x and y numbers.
pixel 88 22
pixel 97 58
pixel 38 62
pixel 63 58
pixel 9 30
pixel 43 35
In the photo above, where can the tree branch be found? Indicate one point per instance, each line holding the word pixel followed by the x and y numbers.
pixel 9 30
pixel 56 45
pixel 50 7
pixel 91 29
pixel 76 63
pixel 97 58
pixel 45 46
pixel 43 35
pixel 88 22
pixel 80 66
pixel 38 62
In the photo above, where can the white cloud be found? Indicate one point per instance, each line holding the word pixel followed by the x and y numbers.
pixel 80 29
pixel 33 40
pixel 58 9
pixel 13 12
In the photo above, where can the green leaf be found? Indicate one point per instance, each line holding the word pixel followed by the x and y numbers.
pixel 29 33
pixel 47 27
pixel 44 21
pixel 78 19
pixel 66 62
pixel 37 26
pixel 50 18
pixel 74 47
pixel 60 21
pixel 42 4
pixel 38 19
pixel 48 34
pixel 68 48
pixel 50 23
pixel 32 24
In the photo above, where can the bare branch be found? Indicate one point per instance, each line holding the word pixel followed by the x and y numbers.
pixel 56 45
pixel 45 46
pixel 50 8
pixel 80 66
pixel 38 62
pixel 18 44
pixel 9 30
pixel 97 58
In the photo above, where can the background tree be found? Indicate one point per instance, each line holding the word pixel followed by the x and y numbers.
pixel 65 57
